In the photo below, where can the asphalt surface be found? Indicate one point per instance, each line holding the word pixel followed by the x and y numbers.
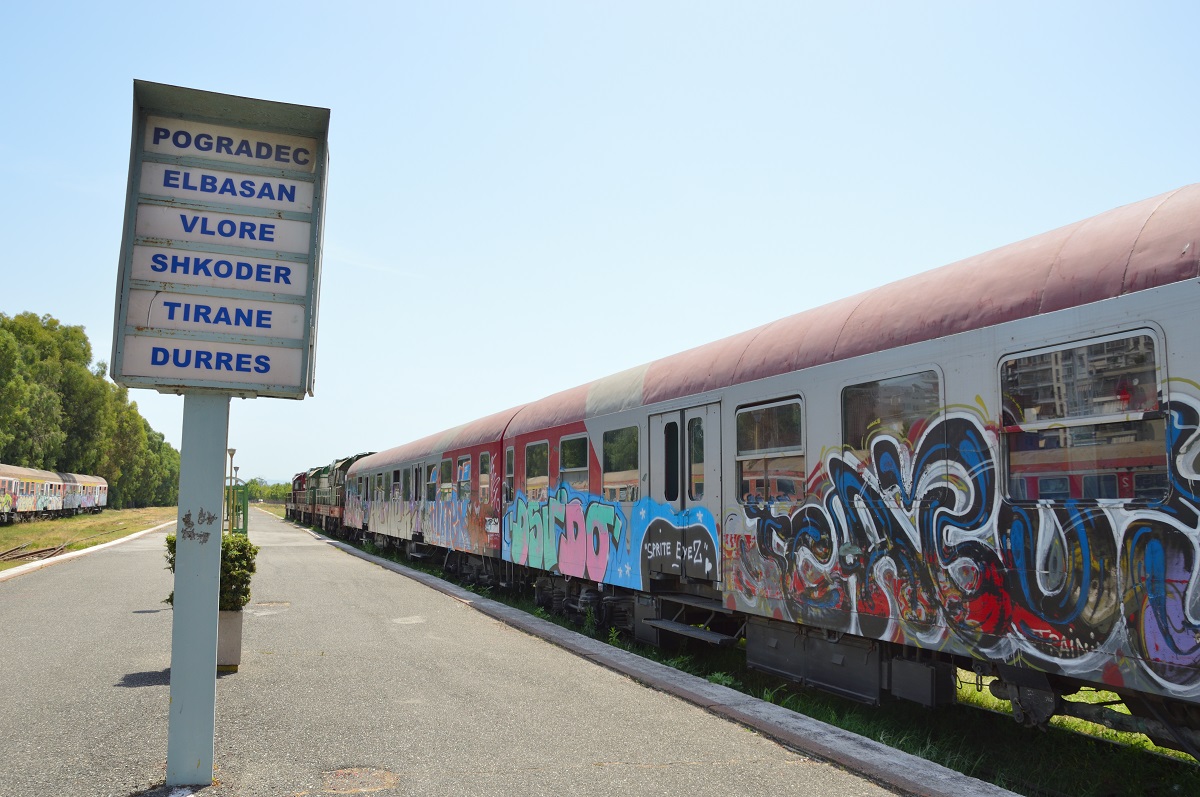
pixel 356 680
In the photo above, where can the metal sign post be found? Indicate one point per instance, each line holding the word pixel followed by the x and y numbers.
pixel 217 296
pixel 192 720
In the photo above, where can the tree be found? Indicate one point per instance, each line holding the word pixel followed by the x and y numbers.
pixel 57 412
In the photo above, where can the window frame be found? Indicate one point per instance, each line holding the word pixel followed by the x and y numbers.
pixel 430 481
pixel 584 469
pixel 911 372
pixel 510 470
pixel 632 490
pixel 458 473
pixel 525 470
pixel 1005 452
pixel 767 455
pixel 446 485
pixel 485 477
pixel 689 458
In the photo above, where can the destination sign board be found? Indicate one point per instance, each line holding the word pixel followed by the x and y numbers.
pixel 220 259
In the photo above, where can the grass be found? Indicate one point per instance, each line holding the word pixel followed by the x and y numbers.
pixel 81 531
pixel 977 736
pixel 275 509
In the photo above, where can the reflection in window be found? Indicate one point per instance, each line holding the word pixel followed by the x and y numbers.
pixel 770 453
pixel 900 406
pixel 431 482
pixel 1057 488
pixel 1109 378
pixel 620 467
pixel 573 463
pixel 695 437
pixel 463 477
pixel 537 471
pixel 1149 486
pixel 485 477
pixel 671 464
pixel 1087 411
pixel 508 474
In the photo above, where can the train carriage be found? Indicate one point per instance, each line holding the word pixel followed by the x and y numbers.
pixel 318 495
pixel 994 464
pixel 28 493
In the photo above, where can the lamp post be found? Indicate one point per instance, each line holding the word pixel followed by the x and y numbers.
pixel 235 502
pixel 229 493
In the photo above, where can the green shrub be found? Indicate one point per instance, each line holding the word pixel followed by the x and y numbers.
pixel 238 556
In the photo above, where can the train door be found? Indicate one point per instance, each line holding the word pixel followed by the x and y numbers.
pixel 685 475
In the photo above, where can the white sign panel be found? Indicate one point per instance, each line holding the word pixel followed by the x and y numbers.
pixel 160 310
pixel 229 144
pixel 230 188
pixel 252 232
pixel 220 261
pixel 212 270
pixel 227 362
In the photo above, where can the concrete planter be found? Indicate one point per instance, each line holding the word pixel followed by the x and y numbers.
pixel 229 641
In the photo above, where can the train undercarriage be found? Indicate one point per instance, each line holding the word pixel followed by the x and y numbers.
pixel 853 667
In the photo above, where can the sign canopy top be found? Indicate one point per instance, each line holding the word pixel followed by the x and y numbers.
pixel 220 264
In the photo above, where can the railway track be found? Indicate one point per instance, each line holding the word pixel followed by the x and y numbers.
pixel 19 554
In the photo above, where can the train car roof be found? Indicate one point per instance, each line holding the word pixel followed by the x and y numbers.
pixel 344 464
pixel 484 430
pixel 15 472
pixel 1132 248
pixel 84 479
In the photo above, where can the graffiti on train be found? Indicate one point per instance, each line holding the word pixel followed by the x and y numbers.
pixel 582 535
pixel 675 551
pixel 915 543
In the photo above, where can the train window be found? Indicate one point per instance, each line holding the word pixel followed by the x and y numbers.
pixel 508 474
pixel 1149 486
pixel 1084 422
pixel 1102 485
pixel 431 473
pixel 537 471
pixel 464 478
pixel 770 452
pixel 446 482
pixel 573 462
pixel 406 486
pixel 620 478
pixel 396 484
pixel 695 458
pixel 671 466
pixel 899 406
pixel 485 477
pixel 1054 488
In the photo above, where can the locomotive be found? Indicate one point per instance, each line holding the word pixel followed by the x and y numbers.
pixel 991 466
pixel 28 493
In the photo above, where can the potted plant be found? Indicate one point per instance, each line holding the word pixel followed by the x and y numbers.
pixel 237 566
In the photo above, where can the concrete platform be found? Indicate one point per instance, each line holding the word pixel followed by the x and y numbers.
pixel 356 680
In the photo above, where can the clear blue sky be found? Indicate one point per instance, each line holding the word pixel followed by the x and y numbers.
pixel 525 196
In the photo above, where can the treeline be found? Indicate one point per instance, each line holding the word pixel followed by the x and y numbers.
pixel 259 489
pixel 58 413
